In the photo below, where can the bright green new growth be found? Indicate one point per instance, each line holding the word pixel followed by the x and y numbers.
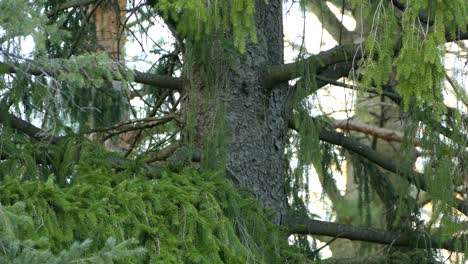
pixel 200 18
pixel 128 216
pixel 419 69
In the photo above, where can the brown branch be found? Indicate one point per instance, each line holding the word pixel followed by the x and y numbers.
pixel 411 239
pixel 322 80
pixel 330 136
pixel 458 90
pixel 163 81
pixel 383 133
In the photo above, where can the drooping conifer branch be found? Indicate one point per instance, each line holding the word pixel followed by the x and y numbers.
pixel 416 178
pixel 316 64
pixel 163 81
pixel 69 4
pixel 460 34
pixel 410 239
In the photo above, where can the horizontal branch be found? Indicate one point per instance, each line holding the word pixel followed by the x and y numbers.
pixel 38 134
pixel 367 234
pixel 315 64
pixel 163 81
pixel 138 124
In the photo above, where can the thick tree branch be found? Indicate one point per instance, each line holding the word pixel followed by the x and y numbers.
pixel 163 81
pixel 368 234
pixel 27 128
pixel 315 64
pixel 393 96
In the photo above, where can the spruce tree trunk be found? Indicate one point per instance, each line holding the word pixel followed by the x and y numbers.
pixel 255 117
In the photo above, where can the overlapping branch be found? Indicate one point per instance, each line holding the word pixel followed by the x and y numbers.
pixel 382 133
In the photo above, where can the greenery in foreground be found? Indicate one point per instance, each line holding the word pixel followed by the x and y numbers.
pixel 130 216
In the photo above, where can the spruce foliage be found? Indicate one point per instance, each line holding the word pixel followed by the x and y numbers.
pixel 104 216
pixel 70 202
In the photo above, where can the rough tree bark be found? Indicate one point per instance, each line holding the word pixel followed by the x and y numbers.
pixel 256 116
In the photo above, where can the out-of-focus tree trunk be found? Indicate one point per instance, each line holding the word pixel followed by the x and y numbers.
pixel 109 21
